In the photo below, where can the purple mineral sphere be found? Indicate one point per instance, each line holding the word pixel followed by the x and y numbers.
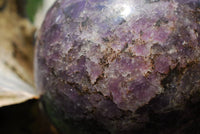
pixel 120 66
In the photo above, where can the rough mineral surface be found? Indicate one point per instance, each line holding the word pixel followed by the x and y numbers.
pixel 116 66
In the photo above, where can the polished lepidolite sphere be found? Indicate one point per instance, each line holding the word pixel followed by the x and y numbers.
pixel 118 66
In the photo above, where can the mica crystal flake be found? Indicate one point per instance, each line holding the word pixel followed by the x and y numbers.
pixel 107 66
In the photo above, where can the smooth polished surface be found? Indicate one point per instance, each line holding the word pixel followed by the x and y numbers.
pixel 105 60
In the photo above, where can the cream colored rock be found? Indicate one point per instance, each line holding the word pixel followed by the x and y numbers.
pixel 16 55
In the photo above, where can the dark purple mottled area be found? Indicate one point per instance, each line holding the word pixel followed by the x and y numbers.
pixel 107 64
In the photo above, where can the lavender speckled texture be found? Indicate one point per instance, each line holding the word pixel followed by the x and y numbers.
pixel 105 61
